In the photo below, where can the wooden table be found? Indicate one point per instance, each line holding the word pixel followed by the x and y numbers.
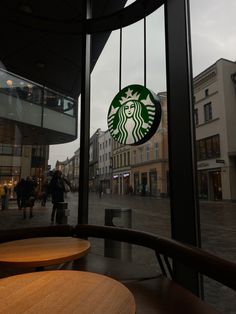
pixel 64 291
pixel 40 252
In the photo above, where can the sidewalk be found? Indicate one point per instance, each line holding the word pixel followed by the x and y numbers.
pixel 12 218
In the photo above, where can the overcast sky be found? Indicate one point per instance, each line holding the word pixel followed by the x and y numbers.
pixel 213 29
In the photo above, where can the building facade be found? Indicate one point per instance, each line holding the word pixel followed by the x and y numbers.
pixel 215 117
pixel 121 168
pixel 76 169
pixel 18 162
pixel 105 161
pixel 149 161
pixel 93 161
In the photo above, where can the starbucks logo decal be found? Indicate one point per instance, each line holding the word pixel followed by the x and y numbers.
pixel 134 115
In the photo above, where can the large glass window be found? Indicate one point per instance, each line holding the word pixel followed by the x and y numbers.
pixel 214 90
pixel 119 169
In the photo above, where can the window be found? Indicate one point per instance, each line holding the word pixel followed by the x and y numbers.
pixel 128 158
pixel 134 156
pixel 196 116
pixel 124 159
pixel 156 150
pixel 120 160
pixel 208 148
pixel 7 149
pixel 109 142
pixel 148 152
pixel 206 92
pixel 141 154
pixel 208 112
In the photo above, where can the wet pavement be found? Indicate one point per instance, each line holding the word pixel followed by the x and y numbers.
pixel 218 229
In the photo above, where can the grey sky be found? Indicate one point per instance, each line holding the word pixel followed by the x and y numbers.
pixel 213 29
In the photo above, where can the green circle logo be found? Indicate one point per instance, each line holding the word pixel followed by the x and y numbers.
pixel 134 115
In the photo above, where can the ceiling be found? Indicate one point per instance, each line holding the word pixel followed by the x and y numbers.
pixel 34 44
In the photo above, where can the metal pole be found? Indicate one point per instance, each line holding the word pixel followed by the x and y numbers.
pixel 182 162
pixel 120 61
pixel 145 50
pixel 85 119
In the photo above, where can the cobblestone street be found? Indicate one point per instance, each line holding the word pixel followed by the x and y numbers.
pixel 218 229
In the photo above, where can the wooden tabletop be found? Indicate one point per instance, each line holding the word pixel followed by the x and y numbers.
pixel 64 291
pixel 40 252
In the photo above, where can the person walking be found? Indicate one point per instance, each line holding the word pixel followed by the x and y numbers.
pixel 18 189
pixel 56 188
pixel 4 197
pixel 100 191
pixel 44 193
pixel 28 196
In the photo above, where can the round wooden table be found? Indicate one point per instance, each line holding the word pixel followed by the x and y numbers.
pixel 40 252
pixel 64 291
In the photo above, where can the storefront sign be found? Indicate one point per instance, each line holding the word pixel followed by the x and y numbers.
pixel 220 161
pixel 134 115
pixel 126 175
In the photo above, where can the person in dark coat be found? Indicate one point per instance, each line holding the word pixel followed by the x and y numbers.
pixel 44 193
pixel 18 189
pixel 28 196
pixel 5 197
pixel 56 188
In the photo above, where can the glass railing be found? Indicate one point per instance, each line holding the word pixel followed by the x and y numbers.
pixel 23 89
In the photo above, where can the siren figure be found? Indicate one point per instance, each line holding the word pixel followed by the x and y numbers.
pixel 131 126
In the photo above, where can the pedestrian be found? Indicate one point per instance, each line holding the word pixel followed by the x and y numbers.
pixel 28 196
pixel 56 188
pixel 44 193
pixel 131 190
pixel 18 190
pixel 4 197
pixel 100 190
